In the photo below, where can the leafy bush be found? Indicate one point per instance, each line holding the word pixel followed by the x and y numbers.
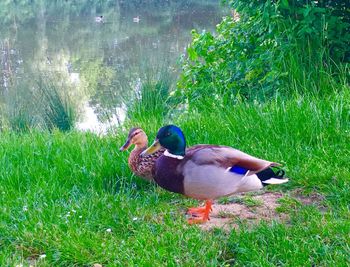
pixel 273 48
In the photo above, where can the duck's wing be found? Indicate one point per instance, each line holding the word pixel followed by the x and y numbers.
pixel 226 157
pixel 214 171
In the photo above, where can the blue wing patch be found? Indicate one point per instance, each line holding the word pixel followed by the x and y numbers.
pixel 238 170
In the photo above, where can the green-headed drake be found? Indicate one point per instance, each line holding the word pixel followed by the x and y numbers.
pixel 207 172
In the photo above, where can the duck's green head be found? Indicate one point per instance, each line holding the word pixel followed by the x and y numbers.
pixel 170 137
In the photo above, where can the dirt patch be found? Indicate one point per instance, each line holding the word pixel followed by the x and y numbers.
pixel 311 199
pixel 250 210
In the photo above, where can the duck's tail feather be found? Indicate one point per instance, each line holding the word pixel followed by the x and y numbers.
pixel 272 176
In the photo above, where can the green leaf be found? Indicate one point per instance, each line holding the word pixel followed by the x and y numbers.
pixel 192 53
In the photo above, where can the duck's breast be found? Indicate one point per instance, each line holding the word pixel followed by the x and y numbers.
pixel 167 176
pixel 142 166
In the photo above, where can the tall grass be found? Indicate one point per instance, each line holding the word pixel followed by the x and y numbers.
pixel 17 112
pixel 61 192
pixel 57 109
pixel 307 72
pixel 19 120
pixel 43 104
pixel 151 100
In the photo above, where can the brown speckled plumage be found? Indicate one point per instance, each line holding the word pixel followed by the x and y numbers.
pixel 143 166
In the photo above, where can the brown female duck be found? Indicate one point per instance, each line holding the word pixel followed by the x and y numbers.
pixel 207 172
pixel 140 166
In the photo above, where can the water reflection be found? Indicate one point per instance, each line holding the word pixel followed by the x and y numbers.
pixel 98 52
pixel 90 122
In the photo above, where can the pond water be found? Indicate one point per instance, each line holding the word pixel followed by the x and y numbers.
pixel 96 55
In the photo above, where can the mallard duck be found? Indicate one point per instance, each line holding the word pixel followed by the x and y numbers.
pixel 207 172
pixel 136 19
pixel 99 19
pixel 142 167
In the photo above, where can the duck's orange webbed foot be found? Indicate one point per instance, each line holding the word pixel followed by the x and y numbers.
pixel 196 211
pixel 201 214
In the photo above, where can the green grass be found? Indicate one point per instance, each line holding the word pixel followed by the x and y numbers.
pixel 150 103
pixel 60 192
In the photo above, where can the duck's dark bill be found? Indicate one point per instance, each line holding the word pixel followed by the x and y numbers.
pixel 125 146
pixel 152 149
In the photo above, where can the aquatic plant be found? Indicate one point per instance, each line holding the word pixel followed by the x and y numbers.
pixel 150 100
pixel 56 109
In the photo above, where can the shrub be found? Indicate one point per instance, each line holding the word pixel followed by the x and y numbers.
pixel 274 48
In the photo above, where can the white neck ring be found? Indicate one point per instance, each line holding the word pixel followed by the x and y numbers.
pixel 168 154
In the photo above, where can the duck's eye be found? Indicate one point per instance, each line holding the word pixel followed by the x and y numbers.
pixel 136 134
pixel 168 134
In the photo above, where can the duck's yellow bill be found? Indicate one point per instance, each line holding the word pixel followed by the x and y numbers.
pixel 152 148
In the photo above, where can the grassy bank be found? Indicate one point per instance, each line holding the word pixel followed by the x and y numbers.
pixel 72 197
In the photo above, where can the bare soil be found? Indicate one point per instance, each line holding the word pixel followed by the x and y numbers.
pixel 228 216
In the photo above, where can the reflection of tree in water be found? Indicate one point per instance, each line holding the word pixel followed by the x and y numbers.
pixel 10 62
pixel 104 59
pixel 151 46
